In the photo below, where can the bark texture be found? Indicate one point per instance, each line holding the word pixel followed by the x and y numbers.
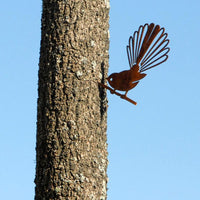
pixel 72 109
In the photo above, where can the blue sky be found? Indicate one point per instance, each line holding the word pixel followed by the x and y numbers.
pixel 154 147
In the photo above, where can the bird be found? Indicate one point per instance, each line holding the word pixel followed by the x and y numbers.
pixel 147 48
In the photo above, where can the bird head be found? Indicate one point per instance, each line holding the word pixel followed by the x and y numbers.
pixel 112 79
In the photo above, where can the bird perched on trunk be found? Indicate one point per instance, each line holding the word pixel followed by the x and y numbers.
pixel 146 49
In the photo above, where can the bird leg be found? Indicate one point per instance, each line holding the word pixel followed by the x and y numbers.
pixel 123 96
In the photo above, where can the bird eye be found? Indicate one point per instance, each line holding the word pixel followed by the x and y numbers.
pixel 111 79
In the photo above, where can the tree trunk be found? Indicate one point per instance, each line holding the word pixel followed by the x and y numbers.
pixel 72 109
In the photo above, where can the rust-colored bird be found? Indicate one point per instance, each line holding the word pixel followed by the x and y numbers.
pixel 147 48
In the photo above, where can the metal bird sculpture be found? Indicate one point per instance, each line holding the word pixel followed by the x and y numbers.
pixel 146 49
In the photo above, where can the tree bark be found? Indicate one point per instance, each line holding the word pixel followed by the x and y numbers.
pixel 72 109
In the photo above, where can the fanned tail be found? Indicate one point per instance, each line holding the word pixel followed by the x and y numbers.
pixel 148 47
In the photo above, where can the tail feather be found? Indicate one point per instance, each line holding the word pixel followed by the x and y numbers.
pixel 147 47
pixel 152 32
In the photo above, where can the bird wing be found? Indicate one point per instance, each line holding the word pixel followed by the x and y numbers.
pixel 148 47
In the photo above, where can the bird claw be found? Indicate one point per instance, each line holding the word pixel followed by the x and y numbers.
pixel 123 96
pixel 112 91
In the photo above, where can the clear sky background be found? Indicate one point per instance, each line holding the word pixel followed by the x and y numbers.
pixel 154 147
